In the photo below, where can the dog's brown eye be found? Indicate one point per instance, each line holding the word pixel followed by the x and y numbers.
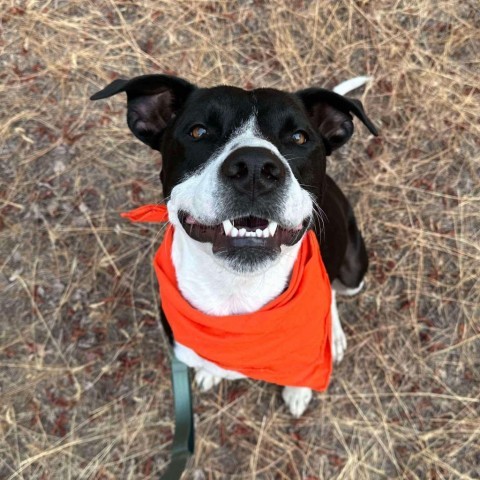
pixel 198 131
pixel 300 137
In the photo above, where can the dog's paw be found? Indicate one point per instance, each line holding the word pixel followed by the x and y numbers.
pixel 339 342
pixel 297 399
pixel 205 380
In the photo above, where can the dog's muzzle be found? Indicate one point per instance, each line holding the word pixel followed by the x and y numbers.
pixel 254 181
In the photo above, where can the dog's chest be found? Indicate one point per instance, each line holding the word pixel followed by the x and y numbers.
pixel 213 290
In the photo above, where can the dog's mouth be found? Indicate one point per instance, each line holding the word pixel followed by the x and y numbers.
pixel 243 233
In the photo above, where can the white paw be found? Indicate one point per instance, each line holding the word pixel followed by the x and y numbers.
pixel 339 342
pixel 297 399
pixel 206 380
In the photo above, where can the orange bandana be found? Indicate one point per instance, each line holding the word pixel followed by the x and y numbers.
pixel 287 342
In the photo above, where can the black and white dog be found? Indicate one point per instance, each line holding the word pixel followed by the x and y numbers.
pixel 251 166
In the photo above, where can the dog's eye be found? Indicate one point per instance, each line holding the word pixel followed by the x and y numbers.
pixel 198 131
pixel 300 137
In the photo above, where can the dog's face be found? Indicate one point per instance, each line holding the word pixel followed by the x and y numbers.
pixel 242 170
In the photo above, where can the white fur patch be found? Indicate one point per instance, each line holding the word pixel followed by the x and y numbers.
pixel 339 340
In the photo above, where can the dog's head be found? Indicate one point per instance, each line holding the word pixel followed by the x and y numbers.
pixel 242 170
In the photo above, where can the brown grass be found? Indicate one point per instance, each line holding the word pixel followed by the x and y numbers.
pixel 84 381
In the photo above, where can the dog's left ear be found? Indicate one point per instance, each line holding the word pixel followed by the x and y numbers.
pixel 330 113
pixel 153 100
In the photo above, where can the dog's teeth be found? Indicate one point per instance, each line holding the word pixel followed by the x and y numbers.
pixel 266 233
pixel 234 232
pixel 227 227
pixel 250 234
pixel 272 227
pixel 242 232
pixel 259 233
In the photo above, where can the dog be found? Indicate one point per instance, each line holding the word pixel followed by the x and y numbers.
pixel 244 178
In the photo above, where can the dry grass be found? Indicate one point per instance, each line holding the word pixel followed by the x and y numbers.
pixel 84 381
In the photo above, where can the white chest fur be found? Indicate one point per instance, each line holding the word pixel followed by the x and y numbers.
pixel 212 289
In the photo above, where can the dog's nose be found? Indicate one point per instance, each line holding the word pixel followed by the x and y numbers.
pixel 253 170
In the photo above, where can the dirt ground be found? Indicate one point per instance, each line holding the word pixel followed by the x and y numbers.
pixel 84 376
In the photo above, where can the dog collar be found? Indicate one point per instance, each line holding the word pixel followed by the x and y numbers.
pixel 287 342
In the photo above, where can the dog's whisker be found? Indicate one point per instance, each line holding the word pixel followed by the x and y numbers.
pixel 321 217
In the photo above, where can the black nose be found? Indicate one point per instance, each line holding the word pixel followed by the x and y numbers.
pixel 253 170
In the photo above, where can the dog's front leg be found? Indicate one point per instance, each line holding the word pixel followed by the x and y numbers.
pixel 339 339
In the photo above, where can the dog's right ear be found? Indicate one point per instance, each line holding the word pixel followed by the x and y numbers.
pixel 330 113
pixel 153 101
